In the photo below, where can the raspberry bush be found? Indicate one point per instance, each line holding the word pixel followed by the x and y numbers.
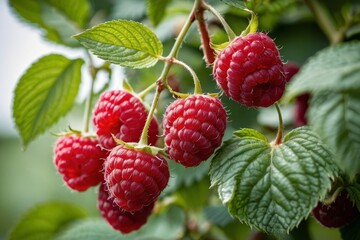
pixel 220 133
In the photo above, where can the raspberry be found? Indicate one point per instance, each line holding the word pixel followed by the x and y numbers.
pixel 250 71
pixel 80 161
pixel 194 128
pixel 301 106
pixel 339 213
pixel 290 70
pixel 135 178
pixel 121 113
pixel 302 101
pixel 119 219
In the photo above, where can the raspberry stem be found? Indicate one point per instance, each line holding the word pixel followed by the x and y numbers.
pixel 144 134
pixel 253 24
pixel 197 88
pixel 226 26
pixel 162 81
pixel 209 53
pixel 279 135
pixel 325 22
pixel 93 72
pixel 144 92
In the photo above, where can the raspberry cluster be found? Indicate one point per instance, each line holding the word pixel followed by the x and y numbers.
pixel 249 70
pixel 132 178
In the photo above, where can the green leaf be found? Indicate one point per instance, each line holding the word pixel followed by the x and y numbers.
pixel 272 188
pixel 127 43
pixel 58 19
pixel 335 117
pixel 236 3
pixel 354 193
pixel 218 215
pixel 333 68
pixel 160 226
pixel 351 231
pixel 45 221
pixel 45 93
pixel 156 10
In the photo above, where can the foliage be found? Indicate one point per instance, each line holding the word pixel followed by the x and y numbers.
pixel 269 185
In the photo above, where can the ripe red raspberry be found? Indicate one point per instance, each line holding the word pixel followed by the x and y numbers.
pixel 80 161
pixel 301 106
pixel 194 128
pixel 249 70
pixel 119 219
pixel 135 178
pixel 339 213
pixel 290 69
pixel 121 113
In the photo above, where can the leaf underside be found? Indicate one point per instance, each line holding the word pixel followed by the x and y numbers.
pixel 335 117
pixel 331 69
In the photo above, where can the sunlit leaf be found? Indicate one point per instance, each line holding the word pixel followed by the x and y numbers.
pixel 45 93
pixel 127 43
